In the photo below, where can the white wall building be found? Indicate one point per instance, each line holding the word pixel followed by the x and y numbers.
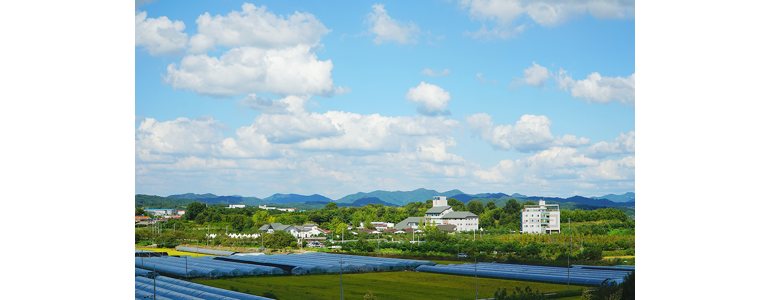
pixel 541 218
pixel 162 211
pixel 379 225
pixel 265 207
pixel 443 214
pixel 237 206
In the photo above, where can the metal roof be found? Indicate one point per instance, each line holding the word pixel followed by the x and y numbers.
pixel 459 215
pixel 437 209
pixel 403 224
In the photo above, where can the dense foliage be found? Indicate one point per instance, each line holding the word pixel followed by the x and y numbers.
pixel 150 201
pixel 591 232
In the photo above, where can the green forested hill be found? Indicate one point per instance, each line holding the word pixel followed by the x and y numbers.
pixel 151 201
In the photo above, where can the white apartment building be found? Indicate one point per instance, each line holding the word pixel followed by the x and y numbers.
pixel 541 218
pixel 237 206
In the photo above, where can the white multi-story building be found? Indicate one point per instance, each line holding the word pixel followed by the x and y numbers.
pixel 541 218
pixel 443 214
pixel 237 206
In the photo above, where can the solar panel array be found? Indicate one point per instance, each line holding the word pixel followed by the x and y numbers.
pixel 201 267
pixel 165 288
pixel 315 262
pixel 578 275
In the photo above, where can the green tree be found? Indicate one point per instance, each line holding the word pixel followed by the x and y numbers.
pixel 628 286
pixel 511 207
pixel 476 207
pixel 331 206
pixel 486 220
pixel 491 205
pixel 456 204
pixel 368 225
pixel 194 209
pixel 241 222
pixel 260 217
pixel 280 239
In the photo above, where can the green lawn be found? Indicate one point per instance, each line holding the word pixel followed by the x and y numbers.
pixel 384 285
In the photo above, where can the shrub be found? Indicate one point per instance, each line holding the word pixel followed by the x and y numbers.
pixel 269 294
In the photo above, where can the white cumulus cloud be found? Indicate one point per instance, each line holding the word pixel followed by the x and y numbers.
pixel 180 136
pixel 536 75
pixel 623 144
pixel 622 169
pixel 289 105
pixel 432 73
pixel 503 13
pixel 159 36
pixel 432 98
pixel 530 133
pixel 287 71
pixel 287 129
pixel 256 27
pixel 598 89
pixel 388 29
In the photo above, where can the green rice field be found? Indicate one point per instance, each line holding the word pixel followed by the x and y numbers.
pixel 384 285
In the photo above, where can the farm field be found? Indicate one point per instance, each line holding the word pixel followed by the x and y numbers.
pixel 173 252
pixel 384 285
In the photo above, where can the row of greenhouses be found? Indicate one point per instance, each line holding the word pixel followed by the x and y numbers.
pixel 577 275
pixel 316 263
pixel 165 288
pixel 206 266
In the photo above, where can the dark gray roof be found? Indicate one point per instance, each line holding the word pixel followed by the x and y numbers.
pixel 437 209
pixel 459 215
pixel 447 227
pixel 275 226
pixel 403 224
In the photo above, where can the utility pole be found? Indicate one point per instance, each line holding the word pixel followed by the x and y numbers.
pixel 208 228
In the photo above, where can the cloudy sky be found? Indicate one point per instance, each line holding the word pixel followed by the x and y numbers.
pixel 256 98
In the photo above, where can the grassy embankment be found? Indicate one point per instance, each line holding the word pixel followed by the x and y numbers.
pixel 173 252
pixel 384 285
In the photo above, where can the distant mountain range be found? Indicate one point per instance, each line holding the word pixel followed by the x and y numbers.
pixel 627 197
pixel 294 198
pixel 214 199
pixel 400 198
pixel 396 198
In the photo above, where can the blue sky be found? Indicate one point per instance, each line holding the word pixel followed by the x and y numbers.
pixel 530 97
